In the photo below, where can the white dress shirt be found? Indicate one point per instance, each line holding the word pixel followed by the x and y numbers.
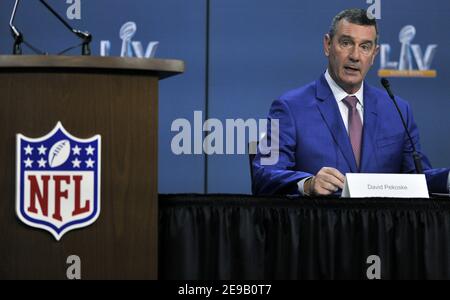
pixel 339 94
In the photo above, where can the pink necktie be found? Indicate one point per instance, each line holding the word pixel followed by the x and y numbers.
pixel 354 127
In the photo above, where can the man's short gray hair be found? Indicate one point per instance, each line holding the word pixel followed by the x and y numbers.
pixel 356 16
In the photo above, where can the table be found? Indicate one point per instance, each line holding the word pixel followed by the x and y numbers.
pixel 210 237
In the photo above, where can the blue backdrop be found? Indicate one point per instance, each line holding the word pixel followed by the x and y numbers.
pixel 240 56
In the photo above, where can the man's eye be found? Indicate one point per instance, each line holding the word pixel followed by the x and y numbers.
pixel 345 43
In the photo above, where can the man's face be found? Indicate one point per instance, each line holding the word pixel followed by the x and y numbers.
pixel 350 54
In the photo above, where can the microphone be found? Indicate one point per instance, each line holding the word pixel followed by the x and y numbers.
pixel 84 36
pixel 17 35
pixel 416 156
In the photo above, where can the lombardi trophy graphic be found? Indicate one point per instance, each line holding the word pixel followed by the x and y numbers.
pixel 406 36
pixel 127 32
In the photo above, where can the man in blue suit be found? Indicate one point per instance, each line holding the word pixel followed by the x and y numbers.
pixel 339 124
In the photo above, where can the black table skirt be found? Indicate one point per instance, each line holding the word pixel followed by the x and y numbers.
pixel 245 237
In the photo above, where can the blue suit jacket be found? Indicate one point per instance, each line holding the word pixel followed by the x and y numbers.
pixel 313 135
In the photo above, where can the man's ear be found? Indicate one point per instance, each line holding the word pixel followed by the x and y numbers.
pixel 326 44
pixel 377 50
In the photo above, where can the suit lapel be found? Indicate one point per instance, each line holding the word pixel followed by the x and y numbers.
pixel 329 109
pixel 370 126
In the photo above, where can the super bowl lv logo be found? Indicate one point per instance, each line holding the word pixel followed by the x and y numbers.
pixel 58 181
pixel 130 47
pixel 412 62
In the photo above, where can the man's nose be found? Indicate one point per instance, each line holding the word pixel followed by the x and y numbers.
pixel 354 55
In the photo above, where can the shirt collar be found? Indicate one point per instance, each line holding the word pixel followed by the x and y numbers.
pixel 339 94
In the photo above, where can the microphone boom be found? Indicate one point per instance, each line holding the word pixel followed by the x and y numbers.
pixel 416 157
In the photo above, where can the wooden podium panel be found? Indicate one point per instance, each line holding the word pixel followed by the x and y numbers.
pixel 116 98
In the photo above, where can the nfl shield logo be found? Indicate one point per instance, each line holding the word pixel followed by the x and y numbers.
pixel 58 181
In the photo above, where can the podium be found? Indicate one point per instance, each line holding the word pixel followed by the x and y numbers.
pixel 116 98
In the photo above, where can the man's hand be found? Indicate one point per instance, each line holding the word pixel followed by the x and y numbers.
pixel 325 183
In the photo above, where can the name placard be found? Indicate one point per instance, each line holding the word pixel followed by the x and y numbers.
pixel 385 186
